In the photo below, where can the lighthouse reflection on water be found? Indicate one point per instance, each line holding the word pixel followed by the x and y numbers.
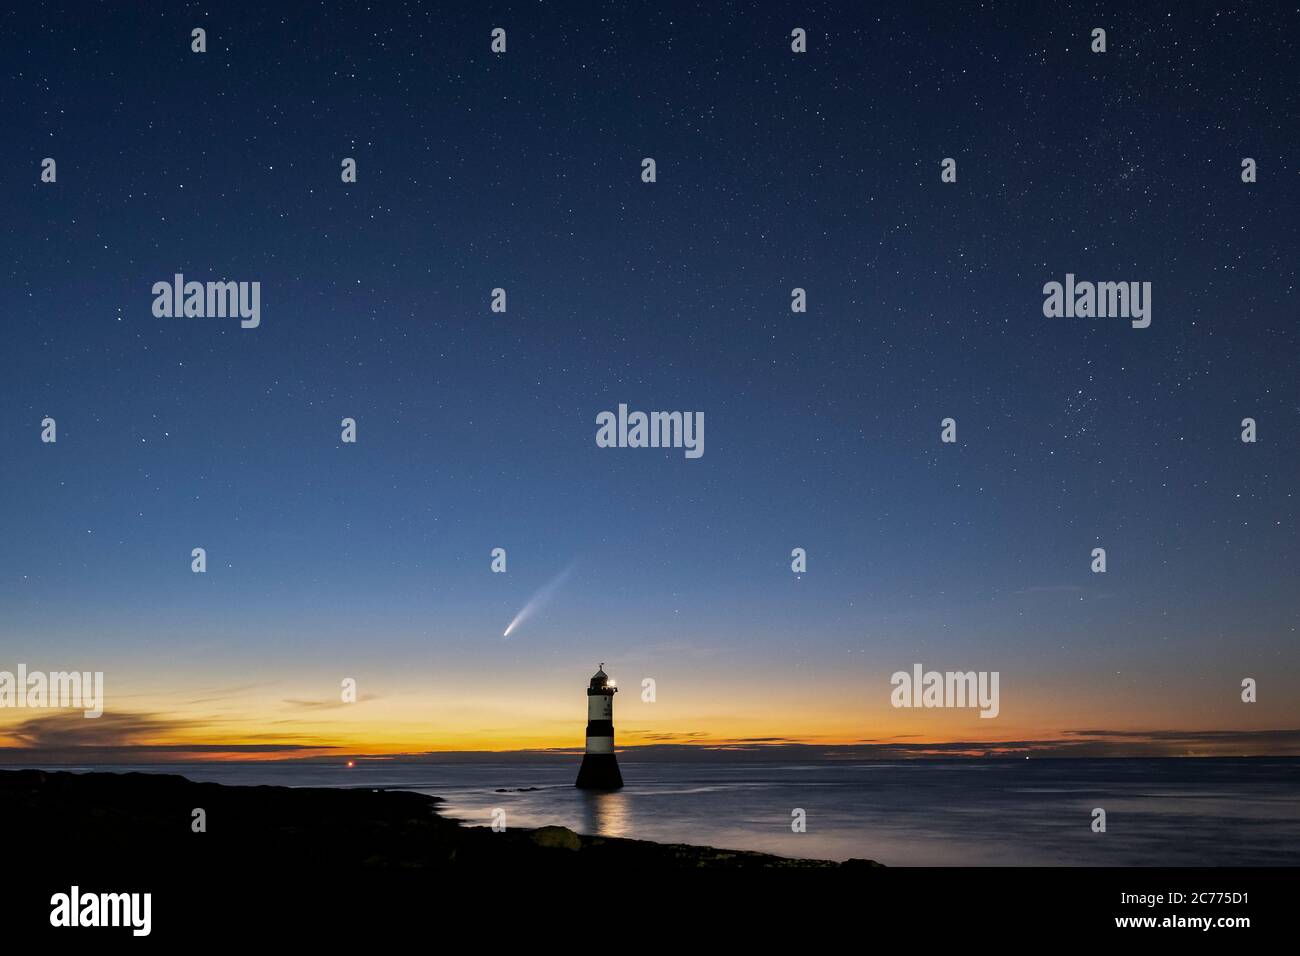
pixel 606 813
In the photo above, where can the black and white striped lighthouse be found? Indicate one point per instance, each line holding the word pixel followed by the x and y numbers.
pixel 599 769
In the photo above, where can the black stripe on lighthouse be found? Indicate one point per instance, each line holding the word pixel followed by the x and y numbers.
pixel 600 728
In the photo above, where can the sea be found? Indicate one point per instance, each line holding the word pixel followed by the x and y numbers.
pixel 968 812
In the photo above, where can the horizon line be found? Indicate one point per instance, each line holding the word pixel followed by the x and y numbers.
pixel 1086 744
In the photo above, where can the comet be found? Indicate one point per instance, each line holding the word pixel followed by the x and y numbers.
pixel 539 600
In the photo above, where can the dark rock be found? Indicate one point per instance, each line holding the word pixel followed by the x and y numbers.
pixel 557 837
pixel 146 819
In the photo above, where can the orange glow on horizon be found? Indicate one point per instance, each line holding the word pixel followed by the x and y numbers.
pixel 162 719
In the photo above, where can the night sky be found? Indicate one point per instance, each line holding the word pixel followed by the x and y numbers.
pixel 476 430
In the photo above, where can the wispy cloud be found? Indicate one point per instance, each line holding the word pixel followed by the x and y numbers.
pixel 327 704
pixel 63 737
pixel 221 694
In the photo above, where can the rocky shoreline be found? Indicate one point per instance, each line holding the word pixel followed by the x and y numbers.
pixel 151 820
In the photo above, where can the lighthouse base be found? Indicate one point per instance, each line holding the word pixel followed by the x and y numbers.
pixel 599 772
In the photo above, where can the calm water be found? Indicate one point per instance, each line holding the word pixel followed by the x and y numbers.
pixel 1030 812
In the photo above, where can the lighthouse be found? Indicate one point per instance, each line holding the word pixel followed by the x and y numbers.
pixel 599 769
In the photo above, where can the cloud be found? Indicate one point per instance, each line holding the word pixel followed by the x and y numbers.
pixel 62 737
pixel 72 729
pixel 327 704
pixel 1203 738
pixel 216 694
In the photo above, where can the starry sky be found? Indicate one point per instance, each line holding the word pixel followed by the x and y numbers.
pixel 476 430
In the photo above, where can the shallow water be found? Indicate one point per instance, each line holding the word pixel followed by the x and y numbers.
pixel 1205 812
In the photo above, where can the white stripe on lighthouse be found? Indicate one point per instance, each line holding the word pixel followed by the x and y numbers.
pixel 600 745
